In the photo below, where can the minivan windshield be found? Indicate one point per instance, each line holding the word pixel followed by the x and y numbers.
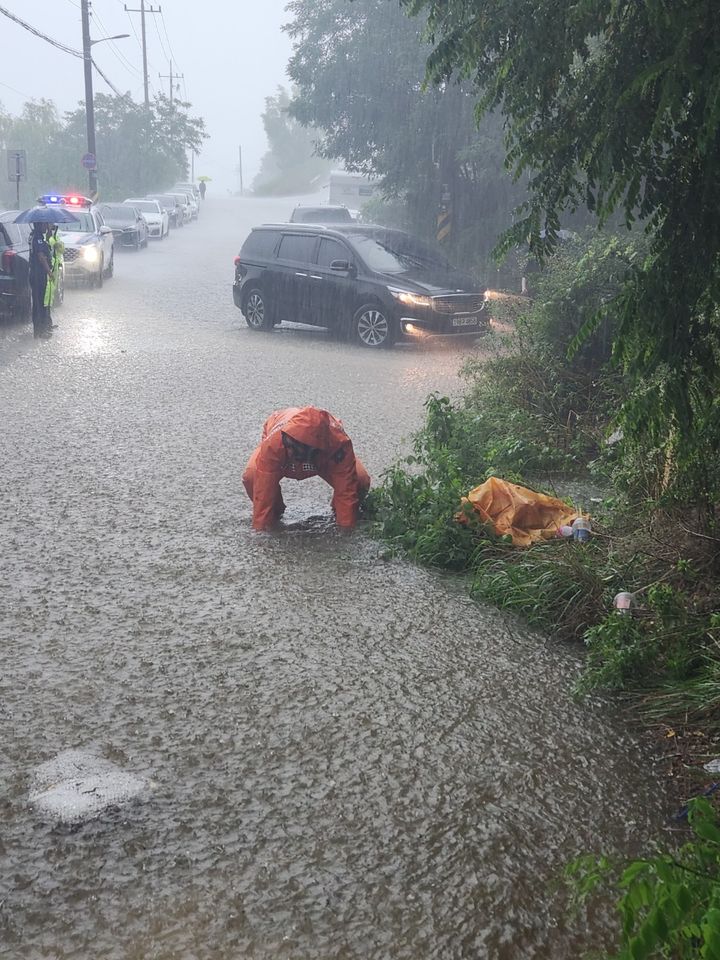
pixel 391 251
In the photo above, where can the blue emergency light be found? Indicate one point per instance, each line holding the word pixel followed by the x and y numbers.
pixel 65 200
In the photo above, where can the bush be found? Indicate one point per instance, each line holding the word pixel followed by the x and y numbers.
pixel 669 904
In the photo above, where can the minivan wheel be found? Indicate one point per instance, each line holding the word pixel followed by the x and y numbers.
pixel 257 313
pixel 371 327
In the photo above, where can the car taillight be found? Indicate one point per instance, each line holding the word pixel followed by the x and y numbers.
pixel 7 260
pixel 236 260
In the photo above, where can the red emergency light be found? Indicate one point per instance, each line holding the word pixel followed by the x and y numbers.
pixel 65 200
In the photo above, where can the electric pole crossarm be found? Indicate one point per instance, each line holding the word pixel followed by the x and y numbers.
pixel 171 76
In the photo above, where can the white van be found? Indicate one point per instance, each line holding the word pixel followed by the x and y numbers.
pixel 350 189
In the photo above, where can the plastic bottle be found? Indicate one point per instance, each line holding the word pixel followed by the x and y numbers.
pixel 581 529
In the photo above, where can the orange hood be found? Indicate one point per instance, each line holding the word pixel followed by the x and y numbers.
pixel 315 428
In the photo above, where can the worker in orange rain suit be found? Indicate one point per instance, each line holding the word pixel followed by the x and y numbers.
pixel 302 442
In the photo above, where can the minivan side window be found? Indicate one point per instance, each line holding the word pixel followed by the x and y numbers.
pixel 260 243
pixel 331 250
pixel 296 247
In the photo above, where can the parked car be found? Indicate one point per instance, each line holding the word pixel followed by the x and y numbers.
pixel 171 205
pixel 127 224
pixel 369 283
pixel 188 188
pixel 321 214
pixel 192 201
pixel 184 204
pixel 14 266
pixel 157 219
pixel 89 246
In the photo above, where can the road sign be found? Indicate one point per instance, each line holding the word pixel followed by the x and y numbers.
pixel 17 165
pixel 89 161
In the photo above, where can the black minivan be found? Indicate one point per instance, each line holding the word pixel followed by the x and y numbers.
pixel 368 283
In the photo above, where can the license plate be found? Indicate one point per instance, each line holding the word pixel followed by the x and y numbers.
pixel 465 321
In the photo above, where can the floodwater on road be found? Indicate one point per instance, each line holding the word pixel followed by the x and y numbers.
pixel 348 758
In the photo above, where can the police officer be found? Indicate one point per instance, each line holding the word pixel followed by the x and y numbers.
pixel 40 274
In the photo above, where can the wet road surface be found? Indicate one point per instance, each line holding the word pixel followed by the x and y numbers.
pixel 349 759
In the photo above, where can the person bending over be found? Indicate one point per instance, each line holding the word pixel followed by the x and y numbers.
pixel 302 442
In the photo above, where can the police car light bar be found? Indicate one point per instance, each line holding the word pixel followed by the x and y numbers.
pixel 65 200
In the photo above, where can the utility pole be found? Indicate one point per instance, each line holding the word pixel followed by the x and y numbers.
pixel 142 11
pixel 171 76
pixel 89 106
pixel 240 169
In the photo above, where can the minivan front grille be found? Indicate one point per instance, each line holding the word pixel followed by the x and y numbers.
pixel 70 254
pixel 459 303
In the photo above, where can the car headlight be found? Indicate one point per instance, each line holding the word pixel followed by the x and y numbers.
pixel 90 254
pixel 409 298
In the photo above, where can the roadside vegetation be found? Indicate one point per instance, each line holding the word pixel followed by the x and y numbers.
pixel 548 409
pixel 291 164
pixel 140 150
pixel 591 115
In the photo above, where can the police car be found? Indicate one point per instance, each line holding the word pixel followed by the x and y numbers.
pixel 89 249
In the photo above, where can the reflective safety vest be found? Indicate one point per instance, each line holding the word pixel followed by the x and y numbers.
pixel 57 252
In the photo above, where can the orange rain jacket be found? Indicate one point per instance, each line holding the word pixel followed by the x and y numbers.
pixel 336 464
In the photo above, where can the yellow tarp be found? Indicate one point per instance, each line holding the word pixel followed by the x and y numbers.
pixel 523 514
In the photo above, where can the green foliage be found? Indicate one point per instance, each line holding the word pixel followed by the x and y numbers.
pixel 137 150
pixel 527 411
pixel 292 164
pixel 555 586
pixel 669 904
pixel 695 700
pixel 375 114
pixel 415 509
pixel 616 107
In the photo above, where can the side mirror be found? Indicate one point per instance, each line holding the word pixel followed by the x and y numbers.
pixel 105 230
pixel 344 266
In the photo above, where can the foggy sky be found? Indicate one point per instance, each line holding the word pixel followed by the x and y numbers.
pixel 232 53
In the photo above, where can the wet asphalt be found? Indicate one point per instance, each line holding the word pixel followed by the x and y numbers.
pixel 348 758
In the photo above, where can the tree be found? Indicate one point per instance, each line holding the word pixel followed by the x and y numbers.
pixel 292 164
pixel 615 106
pixel 375 114
pixel 39 131
pixel 139 150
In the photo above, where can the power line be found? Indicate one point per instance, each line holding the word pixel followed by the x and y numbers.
pixel 14 90
pixel 167 55
pixel 116 50
pixel 167 36
pixel 143 11
pixel 39 33
pixel 123 96
pixel 60 46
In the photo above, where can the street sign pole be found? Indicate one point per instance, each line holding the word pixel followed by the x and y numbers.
pixel 17 170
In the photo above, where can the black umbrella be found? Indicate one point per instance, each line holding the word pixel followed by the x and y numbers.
pixel 46 215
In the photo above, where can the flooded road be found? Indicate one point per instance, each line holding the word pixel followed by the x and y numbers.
pixel 348 758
